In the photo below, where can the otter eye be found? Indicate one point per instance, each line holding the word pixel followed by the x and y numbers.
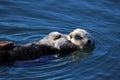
pixel 78 37
pixel 57 37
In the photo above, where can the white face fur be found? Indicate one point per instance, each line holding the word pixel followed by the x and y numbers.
pixel 51 38
pixel 81 38
pixel 56 40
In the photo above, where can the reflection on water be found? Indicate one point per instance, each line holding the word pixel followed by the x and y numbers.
pixel 26 21
pixel 69 57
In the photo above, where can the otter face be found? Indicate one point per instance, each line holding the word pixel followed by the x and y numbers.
pixel 81 38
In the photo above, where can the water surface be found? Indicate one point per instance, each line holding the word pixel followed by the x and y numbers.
pixel 25 21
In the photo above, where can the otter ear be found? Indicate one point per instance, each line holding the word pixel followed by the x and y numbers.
pixel 70 36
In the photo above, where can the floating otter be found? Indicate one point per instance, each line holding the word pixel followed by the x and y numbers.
pixel 58 41
pixel 81 38
pixel 54 43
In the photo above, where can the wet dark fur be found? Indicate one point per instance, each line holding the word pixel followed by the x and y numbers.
pixel 29 52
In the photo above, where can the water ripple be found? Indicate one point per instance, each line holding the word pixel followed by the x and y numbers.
pixel 28 21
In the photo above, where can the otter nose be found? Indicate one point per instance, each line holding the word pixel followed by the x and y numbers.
pixel 88 42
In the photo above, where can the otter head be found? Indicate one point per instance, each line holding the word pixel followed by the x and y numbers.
pixel 57 40
pixel 81 38
pixel 51 38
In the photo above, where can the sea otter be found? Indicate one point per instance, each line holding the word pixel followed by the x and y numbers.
pixel 81 38
pixel 58 41
pixel 54 43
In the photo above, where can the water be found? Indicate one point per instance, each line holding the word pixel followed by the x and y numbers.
pixel 24 21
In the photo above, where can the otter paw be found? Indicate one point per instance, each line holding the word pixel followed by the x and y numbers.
pixel 5 45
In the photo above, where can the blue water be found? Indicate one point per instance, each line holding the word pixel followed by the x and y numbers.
pixel 24 21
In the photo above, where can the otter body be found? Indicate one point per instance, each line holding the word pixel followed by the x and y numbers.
pixel 53 43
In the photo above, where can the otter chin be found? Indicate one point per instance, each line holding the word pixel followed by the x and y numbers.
pixel 81 39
